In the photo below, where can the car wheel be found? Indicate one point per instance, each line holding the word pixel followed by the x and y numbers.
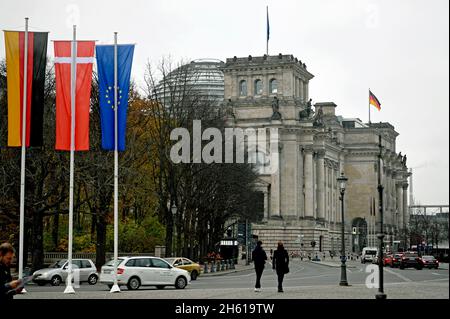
pixel 194 275
pixel 92 280
pixel 160 287
pixel 56 280
pixel 41 283
pixel 180 283
pixel 134 283
pixel 402 267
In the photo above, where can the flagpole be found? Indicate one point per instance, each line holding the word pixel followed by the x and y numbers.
pixel 22 164
pixel 369 106
pixel 115 287
pixel 267 31
pixel 69 288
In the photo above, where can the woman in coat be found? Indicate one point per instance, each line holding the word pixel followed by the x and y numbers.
pixel 280 264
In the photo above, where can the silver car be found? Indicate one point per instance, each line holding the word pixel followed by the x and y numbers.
pixel 56 273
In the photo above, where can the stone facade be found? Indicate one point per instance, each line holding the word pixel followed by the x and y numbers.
pixel 301 196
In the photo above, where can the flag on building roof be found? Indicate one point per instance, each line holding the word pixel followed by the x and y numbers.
pixel 35 70
pixel 374 101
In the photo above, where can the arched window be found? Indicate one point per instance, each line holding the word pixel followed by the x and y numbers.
pixel 273 86
pixel 258 87
pixel 243 88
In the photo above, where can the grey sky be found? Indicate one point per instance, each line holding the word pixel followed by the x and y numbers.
pixel 400 49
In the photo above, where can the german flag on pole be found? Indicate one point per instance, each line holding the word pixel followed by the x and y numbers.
pixel 37 60
pixel 374 101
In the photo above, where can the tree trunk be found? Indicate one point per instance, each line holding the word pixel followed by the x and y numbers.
pixel 55 230
pixel 100 250
pixel 37 236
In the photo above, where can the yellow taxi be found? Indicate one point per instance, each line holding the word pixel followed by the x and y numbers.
pixel 180 262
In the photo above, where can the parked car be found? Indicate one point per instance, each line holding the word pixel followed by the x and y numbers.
pixel 183 263
pixel 134 272
pixel 57 273
pixel 430 262
pixel 387 259
pixel 368 254
pixel 411 260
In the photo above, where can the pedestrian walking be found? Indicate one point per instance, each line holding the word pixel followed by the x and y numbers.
pixel 8 287
pixel 280 264
pixel 259 257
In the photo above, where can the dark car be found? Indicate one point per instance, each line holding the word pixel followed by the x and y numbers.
pixel 411 260
pixel 430 262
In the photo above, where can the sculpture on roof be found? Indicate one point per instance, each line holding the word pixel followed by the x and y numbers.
pixel 306 113
pixel 318 119
pixel 276 115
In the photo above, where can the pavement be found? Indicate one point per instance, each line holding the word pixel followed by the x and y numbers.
pixel 238 268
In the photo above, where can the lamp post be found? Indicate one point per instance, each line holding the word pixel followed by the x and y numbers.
pixel 342 180
pixel 380 294
pixel 174 214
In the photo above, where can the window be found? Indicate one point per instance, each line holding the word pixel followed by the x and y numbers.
pixel 243 88
pixel 131 263
pixel 187 262
pixel 143 262
pixel 158 263
pixel 86 264
pixel 273 86
pixel 258 87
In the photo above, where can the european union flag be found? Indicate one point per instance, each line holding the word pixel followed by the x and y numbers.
pixel 105 67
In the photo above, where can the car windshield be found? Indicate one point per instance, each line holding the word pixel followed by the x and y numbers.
pixel 371 252
pixel 111 262
pixel 398 256
pixel 428 257
pixel 58 264
pixel 170 260
pixel 411 255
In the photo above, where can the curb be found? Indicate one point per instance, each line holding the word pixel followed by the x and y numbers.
pixel 331 265
pixel 225 272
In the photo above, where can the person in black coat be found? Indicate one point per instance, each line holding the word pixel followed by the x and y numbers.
pixel 259 258
pixel 280 264
pixel 8 287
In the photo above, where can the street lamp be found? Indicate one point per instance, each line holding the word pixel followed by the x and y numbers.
pixel 174 213
pixel 342 180
pixel 380 294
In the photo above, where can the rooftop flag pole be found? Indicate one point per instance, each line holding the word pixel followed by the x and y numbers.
pixel 369 106
pixel 268 31
pixel 69 289
pixel 22 165
pixel 115 287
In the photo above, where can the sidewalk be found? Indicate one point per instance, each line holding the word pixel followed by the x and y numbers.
pixel 336 263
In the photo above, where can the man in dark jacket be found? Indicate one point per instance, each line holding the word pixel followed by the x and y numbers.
pixel 259 257
pixel 8 287
pixel 281 264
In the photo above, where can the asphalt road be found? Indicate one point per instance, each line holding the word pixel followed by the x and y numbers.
pixel 302 274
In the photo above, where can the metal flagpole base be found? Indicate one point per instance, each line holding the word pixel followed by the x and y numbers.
pixel 380 295
pixel 69 290
pixel 115 288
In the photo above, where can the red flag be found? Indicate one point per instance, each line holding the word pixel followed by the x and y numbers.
pixel 84 60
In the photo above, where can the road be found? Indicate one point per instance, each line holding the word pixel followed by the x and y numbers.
pixel 305 280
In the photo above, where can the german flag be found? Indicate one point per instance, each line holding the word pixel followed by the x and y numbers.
pixel 37 60
pixel 374 101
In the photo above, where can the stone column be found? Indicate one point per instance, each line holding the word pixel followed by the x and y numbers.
pixel 275 150
pixel 300 90
pixel 400 205
pixel 309 197
pixel 300 183
pixel 405 205
pixel 306 93
pixel 320 185
pixel 266 205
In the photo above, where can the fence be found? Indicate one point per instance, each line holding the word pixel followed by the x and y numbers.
pixel 52 257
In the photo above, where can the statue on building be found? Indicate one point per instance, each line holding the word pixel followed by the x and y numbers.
pixel 306 113
pixel 229 109
pixel 404 160
pixel 276 115
pixel 318 119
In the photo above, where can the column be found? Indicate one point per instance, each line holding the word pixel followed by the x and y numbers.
pixel 309 198
pixel 275 151
pixel 300 90
pixel 320 185
pixel 266 205
pixel 306 93
pixel 400 205
pixel 405 205
pixel 300 183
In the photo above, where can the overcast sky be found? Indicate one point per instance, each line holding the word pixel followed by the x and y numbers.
pixel 400 49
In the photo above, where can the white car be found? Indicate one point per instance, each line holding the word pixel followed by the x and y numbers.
pixel 55 274
pixel 134 272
